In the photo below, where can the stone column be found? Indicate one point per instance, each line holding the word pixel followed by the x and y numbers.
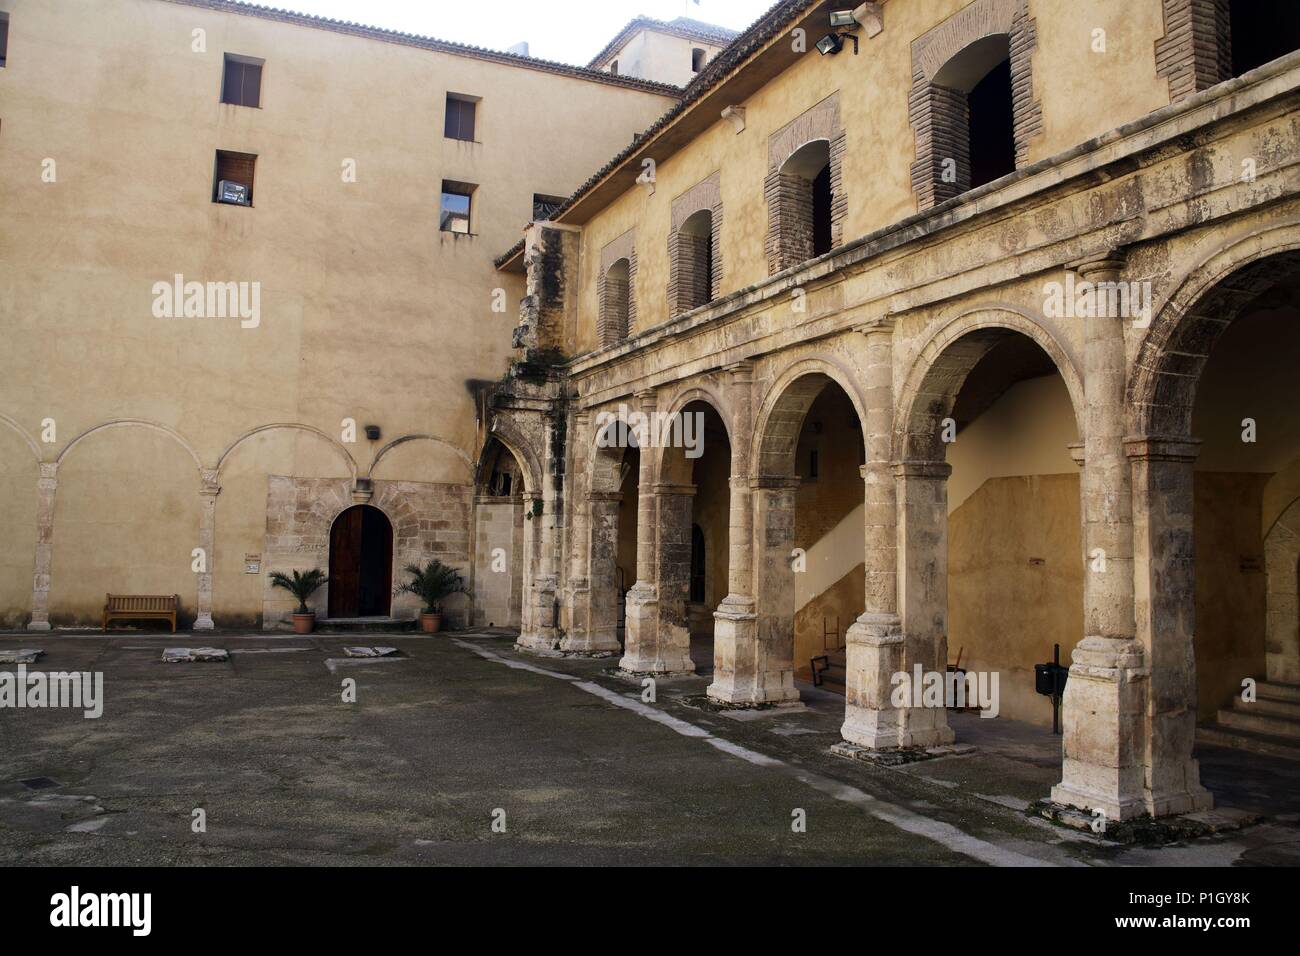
pixel 1105 694
pixel 539 631
pixel 46 486
pixel 208 491
pixel 666 648
pixel 599 605
pixel 772 661
pixel 875 640
pixel 643 599
pixel 735 627
pixel 577 589
pixel 1165 591
pixel 922 489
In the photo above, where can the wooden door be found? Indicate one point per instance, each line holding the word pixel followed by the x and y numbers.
pixel 345 564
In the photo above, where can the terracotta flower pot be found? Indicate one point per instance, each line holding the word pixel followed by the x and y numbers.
pixel 430 623
pixel 304 623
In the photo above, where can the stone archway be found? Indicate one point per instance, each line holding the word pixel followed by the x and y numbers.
pixel 361 563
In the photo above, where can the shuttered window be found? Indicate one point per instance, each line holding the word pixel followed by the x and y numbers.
pixel 242 82
pixel 233 168
pixel 460 118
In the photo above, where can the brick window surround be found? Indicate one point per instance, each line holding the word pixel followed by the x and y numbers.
pixel 938 113
pixel 1196 51
pixel 789 195
pixel 616 289
pixel 687 285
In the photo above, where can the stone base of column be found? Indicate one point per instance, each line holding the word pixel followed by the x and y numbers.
pixel 1103 714
pixel 1173 776
pixel 875 654
pixel 740 675
pixel 204 621
pixel 35 625
pixel 540 635
pixel 653 645
pixel 924 727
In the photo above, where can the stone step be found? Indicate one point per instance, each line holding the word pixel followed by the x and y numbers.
pixel 1268 705
pixel 1275 691
pixel 1259 723
pixel 354 624
pixel 1214 735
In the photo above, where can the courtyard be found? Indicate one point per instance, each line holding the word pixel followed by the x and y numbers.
pixel 461 750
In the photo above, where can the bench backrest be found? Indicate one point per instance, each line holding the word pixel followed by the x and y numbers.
pixel 140 602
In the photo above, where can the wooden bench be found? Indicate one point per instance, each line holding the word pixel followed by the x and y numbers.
pixel 137 607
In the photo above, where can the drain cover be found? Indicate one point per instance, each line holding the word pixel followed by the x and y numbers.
pixel 39 783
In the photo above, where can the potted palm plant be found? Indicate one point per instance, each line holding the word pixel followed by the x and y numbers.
pixel 431 584
pixel 302 586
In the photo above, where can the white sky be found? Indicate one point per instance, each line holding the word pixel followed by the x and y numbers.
pixel 570 31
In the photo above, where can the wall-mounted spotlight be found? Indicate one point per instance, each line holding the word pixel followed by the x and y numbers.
pixel 372 432
pixel 843 18
pixel 832 43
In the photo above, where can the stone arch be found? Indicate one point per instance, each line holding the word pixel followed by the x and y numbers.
pixel 783 409
pixel 468 462
pixel 142 423
pixel 670 466
pixel 329 439
pixel 1173 353
pixel 23 434
pixel 508 433
pixel 950 351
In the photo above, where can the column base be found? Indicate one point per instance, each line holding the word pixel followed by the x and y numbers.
pixel 204 621
pixel 35 625
pixel 584 642
pixel 875 654
pixel 653 645
pixel 1104 715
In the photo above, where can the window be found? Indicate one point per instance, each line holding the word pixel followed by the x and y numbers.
pixel 544 206
pixel 4 37
pixel 460 117
pixel 615 294
pixel 800 213
pixel 1259 35
pixel 691 263
pixel 242 83
pixel 992 126
pixel 454 215
pixel 613 68
pixel 232 182
pixel 697 60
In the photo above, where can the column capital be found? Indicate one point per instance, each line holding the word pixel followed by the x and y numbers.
pixel 742 373
pixel 1162 448
pixel 50 470
pixel 209 483
pixel 1076 452
pixel 1101 267
pixel 881 325
pixel 670 488
pixel 648 399
pixel 594 496
pixel 913 468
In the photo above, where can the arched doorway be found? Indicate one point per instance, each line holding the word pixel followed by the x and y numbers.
pixel 361 564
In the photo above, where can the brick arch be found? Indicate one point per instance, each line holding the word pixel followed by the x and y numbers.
pixel 951 350
pixel 1173 353
pixel 685 283
pixel 937 109
pixel 781 415
pixel 784 191
pixel 616 300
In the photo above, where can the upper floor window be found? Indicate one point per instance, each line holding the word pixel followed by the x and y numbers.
pixel 800 206
pixel 232 182
pixel 4 37
pixel 615 302
pixel 1259 35
pixel 241 84
pixel 544 207
pixel 613 68
pixel 693 262
pixel 457 206
pixel 460 117
pixel 697 60
pixel 1208 42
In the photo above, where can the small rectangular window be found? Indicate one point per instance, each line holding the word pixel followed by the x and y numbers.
pixel 460 117
pixel 697 60
pixel 454 215
pixel 814 470
pixel 544 207
pixel 241 84
pixel 4 37
pixel 613 68
pixel 232 182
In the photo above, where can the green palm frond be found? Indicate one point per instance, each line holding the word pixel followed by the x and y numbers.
pixel 302 585
pixel 432 583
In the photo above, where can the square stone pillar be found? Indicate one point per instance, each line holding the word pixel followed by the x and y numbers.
pixel 642 607
pixel 208 492
pixel 46 486
pixel 1165 584
pixel 764 668
pixel 922 489
pixel 595 604
pixel 735 623
pixel 539 631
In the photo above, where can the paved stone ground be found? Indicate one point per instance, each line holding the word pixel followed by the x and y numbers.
pixel 462 724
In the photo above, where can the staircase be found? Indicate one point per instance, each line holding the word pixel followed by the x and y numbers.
pixel 830 671
pixel 1269 726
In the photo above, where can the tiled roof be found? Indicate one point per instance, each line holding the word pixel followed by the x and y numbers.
pixel 430 43
pixel 736 53
pixel 679 26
